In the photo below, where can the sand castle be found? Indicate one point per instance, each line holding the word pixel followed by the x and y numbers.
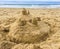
pixel 28 30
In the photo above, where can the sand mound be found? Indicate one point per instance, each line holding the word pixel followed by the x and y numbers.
pixel 28 32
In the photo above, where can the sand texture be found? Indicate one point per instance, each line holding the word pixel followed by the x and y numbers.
pixel 29 28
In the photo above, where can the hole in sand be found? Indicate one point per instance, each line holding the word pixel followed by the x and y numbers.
pixel 6 30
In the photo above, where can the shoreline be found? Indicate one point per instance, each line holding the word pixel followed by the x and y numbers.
pixel 29 6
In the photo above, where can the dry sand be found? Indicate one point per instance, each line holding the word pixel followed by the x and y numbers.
pixel 30 28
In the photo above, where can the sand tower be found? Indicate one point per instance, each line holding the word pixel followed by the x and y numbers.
pixel 25 15
pixel 25 12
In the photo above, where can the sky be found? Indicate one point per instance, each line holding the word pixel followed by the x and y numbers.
pixel 29 1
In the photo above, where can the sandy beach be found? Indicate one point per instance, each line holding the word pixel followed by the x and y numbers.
pixel 29 28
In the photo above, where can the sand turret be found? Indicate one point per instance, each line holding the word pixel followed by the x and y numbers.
pixel 25 12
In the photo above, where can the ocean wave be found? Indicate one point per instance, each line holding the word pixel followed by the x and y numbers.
pixel 29 6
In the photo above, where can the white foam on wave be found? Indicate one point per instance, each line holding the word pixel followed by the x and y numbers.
pixel 29 6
